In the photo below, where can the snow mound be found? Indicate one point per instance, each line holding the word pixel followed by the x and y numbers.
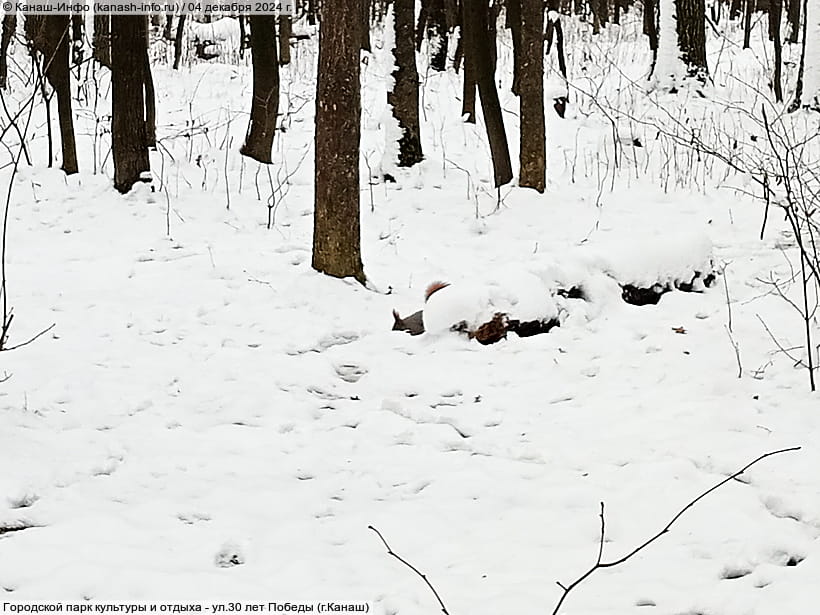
pixel 519 294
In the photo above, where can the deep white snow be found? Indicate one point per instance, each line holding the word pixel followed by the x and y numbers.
pixel 212 420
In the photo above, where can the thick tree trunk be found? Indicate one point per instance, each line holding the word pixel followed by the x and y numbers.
pixel 514 24
pixel 285 28
pixel 478 54
pixel 128 138
pixel 364 26
pixel 533 150
pixel 265 104
pixel 492 33
pixel 102 40
pixel 59 76
pixel 336 229
pixel 50 37
pixel 404 99
pixel 469 84
pixel 692 36
pixel 8 29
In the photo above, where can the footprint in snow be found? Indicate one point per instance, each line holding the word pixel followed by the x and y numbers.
pixel 350 372
pixel 229 555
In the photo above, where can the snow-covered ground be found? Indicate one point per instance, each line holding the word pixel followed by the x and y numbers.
pixel 211 419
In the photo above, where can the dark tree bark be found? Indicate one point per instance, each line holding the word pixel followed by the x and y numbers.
pixel 747 23
pixel 102 40
pixel 650 28
pixel 797 103
pixel 555 31
pixel 168 30
pixel 477 53
pixel 178 40
pixel 364 27
pixel 734 9
pixel 533 149
pixel 794 20
pixel 336 230
pixel 616 15
pixel 50 36
pixel 404 99
pixel 492 33
pixel 469 85
pixel 284 39
pixel 600 14
pixel 514 24
pixel 775 16
pixel 265 105
pixel 244 39
pixel 432 23
pixel 150 100
pixel 128 132
pixel 76 28
pixel 692 36
pixel 8 29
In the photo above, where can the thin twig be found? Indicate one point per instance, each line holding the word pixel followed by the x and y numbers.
pixel 601 564
pixel 411 567
pixel 29 341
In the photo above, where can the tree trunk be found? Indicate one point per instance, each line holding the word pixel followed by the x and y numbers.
pixel 404 99
pixel 477 53
pixel 794 20
pixel 265 105
pixel 128 138
pixel 244 41
pixel 178 40
pixel 150 100
pixel 59 76
pixel 692 36
pixel 650 28
pixel 336 230
pixel 8 29
pixel 556 31
pixel 437 35
pixel 102 40
pixel 492 35
pixel 168 30
pixel 533 150
pixel 747 23
pixel 364 27
pixel 775 16
pixel 469 85
pixel 50 36
pixel 514 24
pixel 797 103
pixel 284 39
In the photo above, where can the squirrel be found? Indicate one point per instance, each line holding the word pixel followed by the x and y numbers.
pixel 414 324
